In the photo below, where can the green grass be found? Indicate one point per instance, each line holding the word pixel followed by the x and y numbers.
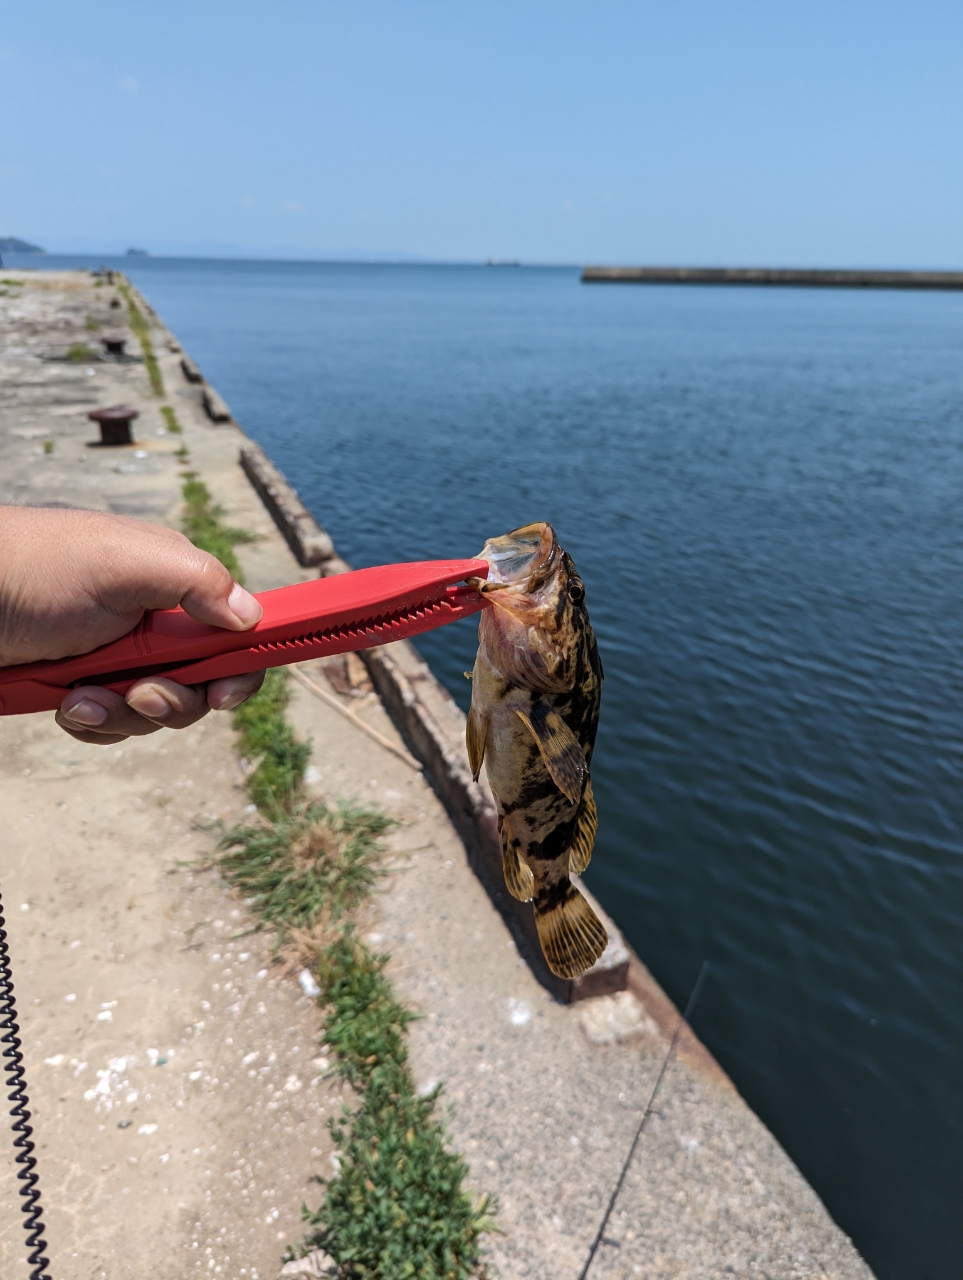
pixel 311 863
pixel 92 323
pixel 397 1208
pixel 205 528
pixel 142 332
pixel 48 446
pixel 79 352
pixel 265 734
pixel 170 417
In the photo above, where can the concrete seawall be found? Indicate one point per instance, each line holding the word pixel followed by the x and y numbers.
pixel 799 277
pixel 548 1083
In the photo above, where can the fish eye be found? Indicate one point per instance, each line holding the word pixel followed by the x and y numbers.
pixel 576 593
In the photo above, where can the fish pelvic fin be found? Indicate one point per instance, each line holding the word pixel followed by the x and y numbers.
pixel 561 753
pixel 519 880
pixel 476 731
pixel 580 854
pixel 571 934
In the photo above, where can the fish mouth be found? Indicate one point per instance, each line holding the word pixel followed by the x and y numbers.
pixel 525 557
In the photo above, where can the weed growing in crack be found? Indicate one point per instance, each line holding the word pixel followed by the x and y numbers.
pixel 142 332
pixel 205 528
pixel 312 862
pixel 265 735
pixel 397 1207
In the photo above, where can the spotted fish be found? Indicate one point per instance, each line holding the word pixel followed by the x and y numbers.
pixel 536 687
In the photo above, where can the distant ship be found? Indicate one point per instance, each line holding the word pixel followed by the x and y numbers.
pixel 502 262
pixel 137 253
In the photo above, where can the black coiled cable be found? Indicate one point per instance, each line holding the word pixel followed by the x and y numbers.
pixel 23 1144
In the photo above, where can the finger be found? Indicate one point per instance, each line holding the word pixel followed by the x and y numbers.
pixel 224 695
pixel 98 715
pixel 150 705
pixel 167 704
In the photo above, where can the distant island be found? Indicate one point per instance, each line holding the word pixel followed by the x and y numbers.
pixel 10 244
pixel 137 253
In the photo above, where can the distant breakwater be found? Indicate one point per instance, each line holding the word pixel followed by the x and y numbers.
pixel 804 277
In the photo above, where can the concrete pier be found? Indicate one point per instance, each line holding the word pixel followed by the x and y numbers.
pixel 799 277
pixel 179 1105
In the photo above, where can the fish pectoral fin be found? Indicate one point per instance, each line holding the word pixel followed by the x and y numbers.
pixel 580 854
pixel 519 880
pixel 571 934
pixel 561 753
pixel 476 731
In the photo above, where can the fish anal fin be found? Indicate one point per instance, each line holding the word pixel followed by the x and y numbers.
pixel 476 732
pixel 561 753
pixel 580 854
pixel 519 880
pixel 571 934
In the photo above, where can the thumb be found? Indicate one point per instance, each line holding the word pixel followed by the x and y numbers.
pixel 213 596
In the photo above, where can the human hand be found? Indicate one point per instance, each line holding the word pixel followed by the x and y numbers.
pixel 73 580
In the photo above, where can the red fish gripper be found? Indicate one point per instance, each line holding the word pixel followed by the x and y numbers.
pixel 351 611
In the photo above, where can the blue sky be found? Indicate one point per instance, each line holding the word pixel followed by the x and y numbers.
pixel 599 131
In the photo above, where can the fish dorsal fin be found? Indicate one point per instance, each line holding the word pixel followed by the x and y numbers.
pixel 580 854
pixel 559 747
pixel 476 731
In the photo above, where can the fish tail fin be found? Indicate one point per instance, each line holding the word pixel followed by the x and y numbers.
pixel 519 880
pixel 580 854
pixel 571 934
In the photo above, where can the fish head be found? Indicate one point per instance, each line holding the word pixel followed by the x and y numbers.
pixel 533 629
pixel 523 559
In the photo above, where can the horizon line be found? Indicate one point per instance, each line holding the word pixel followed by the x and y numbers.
pixel 412 260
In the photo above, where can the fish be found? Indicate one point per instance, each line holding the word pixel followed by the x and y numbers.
pixel 536 692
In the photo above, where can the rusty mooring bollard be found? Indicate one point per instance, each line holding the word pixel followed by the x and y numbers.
pixel 114 343
pixel 114 423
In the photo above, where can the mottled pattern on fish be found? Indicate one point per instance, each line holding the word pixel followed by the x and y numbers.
pixel 536 688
